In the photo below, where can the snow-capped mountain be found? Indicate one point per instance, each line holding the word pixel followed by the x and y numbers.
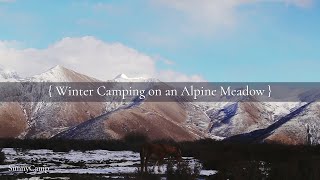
pixel 61 74
pixel 50 118
pixel 124 78
pixel 8 75
pixel 157 120
pixel 285 122
pixel 46 119
pixel 43 119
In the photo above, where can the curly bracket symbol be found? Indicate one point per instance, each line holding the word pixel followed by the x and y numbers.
pixel 50 89
pixel 269 91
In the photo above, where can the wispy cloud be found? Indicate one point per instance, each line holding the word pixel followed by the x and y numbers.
pixel 92 23
pixel 109 8
pixel 201 16
pixel 170 75
pixel 103 7
pixel 163 60
pixel 168 62
pixel 208 16
pixel 298 3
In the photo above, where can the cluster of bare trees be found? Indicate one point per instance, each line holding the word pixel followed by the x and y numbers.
pixel 312 135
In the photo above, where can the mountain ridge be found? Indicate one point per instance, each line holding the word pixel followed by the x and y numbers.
pixel 175 120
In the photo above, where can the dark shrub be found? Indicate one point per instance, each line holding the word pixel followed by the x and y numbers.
pixel 243 170
pixel 2 157
pixel 143 176
pixel 85 177
pixel 183 171
pixel 61 148
pixel 135 137
pixel 135 140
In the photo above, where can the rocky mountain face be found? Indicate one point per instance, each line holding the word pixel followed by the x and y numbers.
pixel 12 115
pixel 284 122
pixel 157 120
pixel 45 119
pixel 300 126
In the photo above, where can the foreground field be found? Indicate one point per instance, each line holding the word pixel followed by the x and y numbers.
pixel 103 159
pixel 102 163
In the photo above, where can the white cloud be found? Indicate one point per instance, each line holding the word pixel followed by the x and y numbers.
pixel 163 60
pixel 10 44
pixel 87 55
pixel 202 15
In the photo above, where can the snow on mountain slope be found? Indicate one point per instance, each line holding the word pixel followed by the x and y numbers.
pixel 61 74
pixel 50 118
pixel 238 117
pixel 295 130
pixel 124 78
pixel 8 75
pixel 13 121
pixel 268 121
pixel 234 118
pixel 157 120
pixel 42 119
pixel 264 134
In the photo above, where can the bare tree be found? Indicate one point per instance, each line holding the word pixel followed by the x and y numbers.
pixel 309 135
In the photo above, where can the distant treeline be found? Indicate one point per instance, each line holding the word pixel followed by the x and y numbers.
pixel 232 160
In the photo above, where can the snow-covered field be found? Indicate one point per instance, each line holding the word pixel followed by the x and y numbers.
pixel 100 162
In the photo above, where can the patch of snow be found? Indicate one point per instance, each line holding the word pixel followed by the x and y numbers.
pixel 208 172
pixel 124 78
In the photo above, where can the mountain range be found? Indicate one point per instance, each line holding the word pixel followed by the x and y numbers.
pixel 280 122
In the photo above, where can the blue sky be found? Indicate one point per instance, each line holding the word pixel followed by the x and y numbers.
pixel 246 40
